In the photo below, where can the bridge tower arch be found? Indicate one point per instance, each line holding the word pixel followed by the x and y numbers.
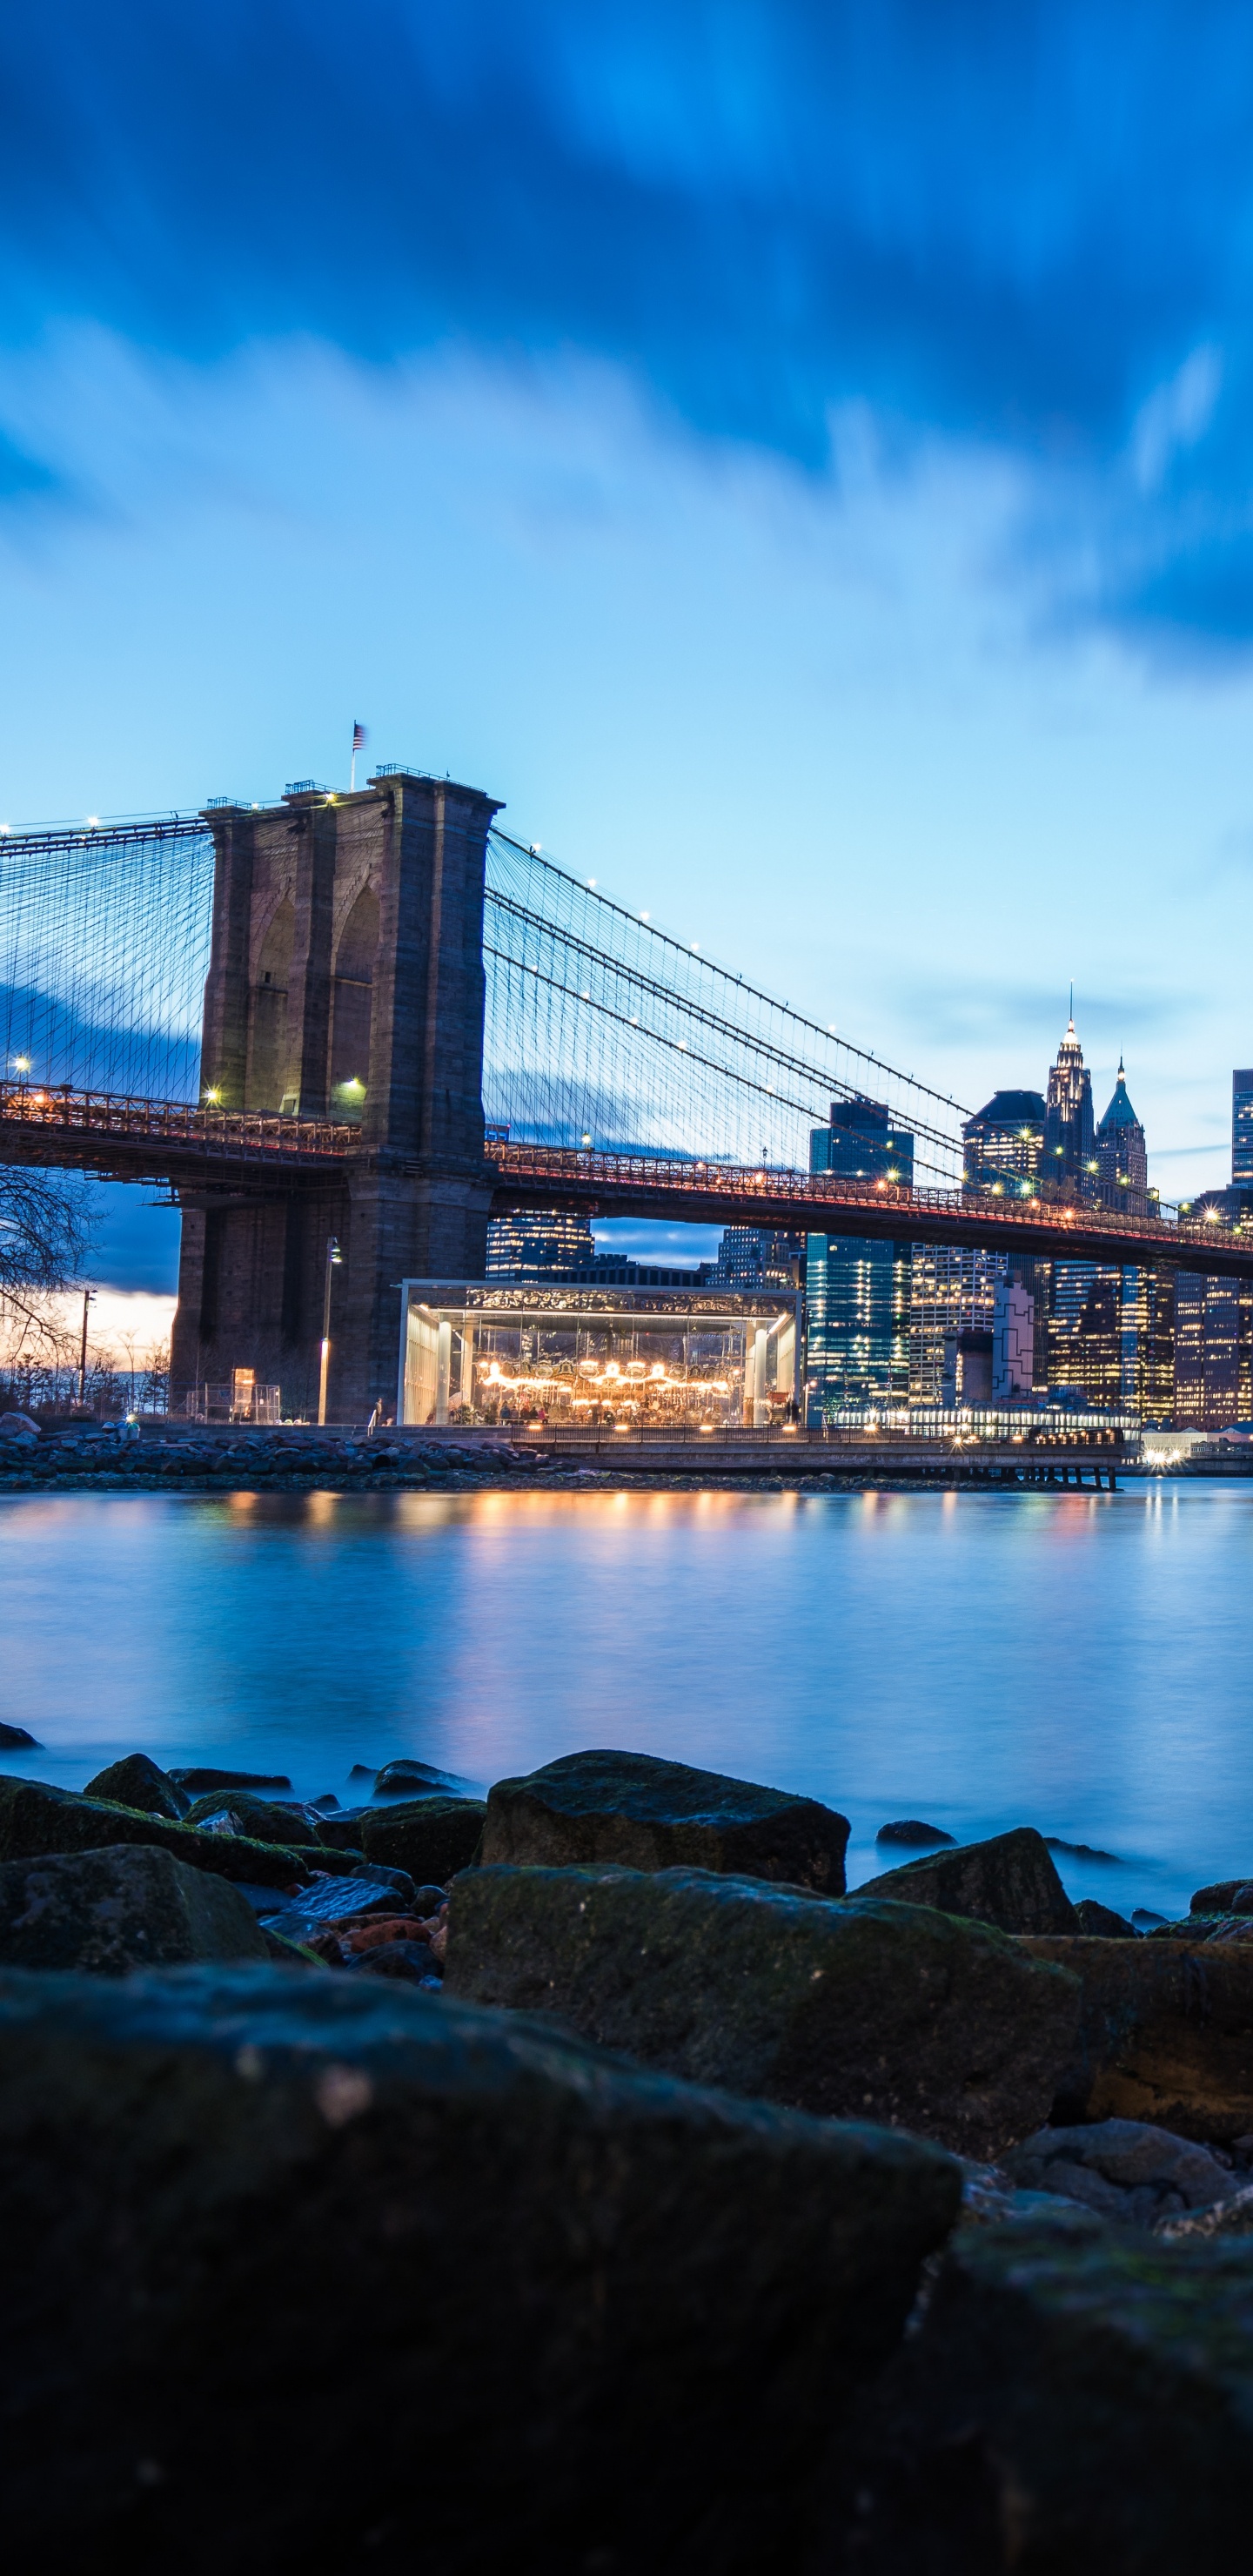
pixel 266 1074
pixel 365 913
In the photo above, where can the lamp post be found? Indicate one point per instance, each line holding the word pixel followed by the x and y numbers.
pixel 333 1257
pixel 88 1299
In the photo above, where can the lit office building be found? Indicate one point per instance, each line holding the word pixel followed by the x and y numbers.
pixel 538 1243
pixel 1002 1145
pixel 858 1290
pixel 952 1295
pixel 1213 1352
pixel 1083 1331
pixel 1242 1127
pixel 1068 1158
pixel 749 1257
pixel 1121 1152
pixel 1148 1344
pixel 1106 1336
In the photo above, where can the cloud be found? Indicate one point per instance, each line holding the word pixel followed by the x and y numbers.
pixel 1027 229
pixel 1176 416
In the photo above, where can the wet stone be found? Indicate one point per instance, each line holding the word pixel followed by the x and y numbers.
pixel 1077 2402
pixel 138 1782
pixel 126 1907
pixel 1165 2034
pixel 431 1838
pixel 1100 1921
pixel 858 2009
pixel 596 2319
pixel 646 1814
pixel 1124 2169
pixel 1009 1881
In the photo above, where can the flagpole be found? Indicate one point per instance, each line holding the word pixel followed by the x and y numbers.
pixel 352 774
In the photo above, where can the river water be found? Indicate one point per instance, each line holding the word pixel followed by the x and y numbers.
pixel 1074 1661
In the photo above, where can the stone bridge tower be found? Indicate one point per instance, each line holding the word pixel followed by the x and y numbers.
pixel 346 982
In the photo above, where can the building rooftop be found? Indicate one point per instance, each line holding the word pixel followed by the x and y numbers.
pixel 1120 1112
pixel 1010 1109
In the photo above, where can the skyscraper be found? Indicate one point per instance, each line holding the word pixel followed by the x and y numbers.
pixel 858 1289
pixel 1242 1127
pixel 538 1243
pixel 751 1256
pixel 1069 1159
pixel 1121 1151
pixel 1003 1143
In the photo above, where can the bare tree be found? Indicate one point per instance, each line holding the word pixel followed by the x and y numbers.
pixel 47 1223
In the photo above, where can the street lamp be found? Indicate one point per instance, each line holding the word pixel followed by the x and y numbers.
pixel 89 1297
pixel 333 1257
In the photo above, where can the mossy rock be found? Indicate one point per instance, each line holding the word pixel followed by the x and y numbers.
pixel 260 1818
pixel 1010 1881
pixel 853 2009
pixel 642 1813
pixel 127 1906
pixel 37 1818
pixel 138 1782
pixel 255 2220
pixel 432 1838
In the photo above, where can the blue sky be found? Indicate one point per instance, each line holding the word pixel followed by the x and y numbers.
pixel 798 457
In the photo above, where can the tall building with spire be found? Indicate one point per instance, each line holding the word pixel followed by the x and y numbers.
pixel 1121 1151
pixel 1069 1158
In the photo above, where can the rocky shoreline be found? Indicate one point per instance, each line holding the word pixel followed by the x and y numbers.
pixel 580 2177
pixel 96 1458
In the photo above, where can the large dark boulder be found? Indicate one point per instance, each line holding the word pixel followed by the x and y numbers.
pixel 1101 1922
pixel 1226 1896
pixel 259 1817
pixel 430 1837
pixel 321 2271
pixel 1079 2402
pixel 139 1782
pixel 36 1818
pixel 1165 2034
pixel 407 1778
pixel 646 1814
pixel 129 1906
pixel 1009 1880
pixel 887 2012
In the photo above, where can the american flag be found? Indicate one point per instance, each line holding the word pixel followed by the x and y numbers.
pixel 358 736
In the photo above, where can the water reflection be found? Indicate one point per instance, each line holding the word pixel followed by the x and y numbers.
pixel 1072 1660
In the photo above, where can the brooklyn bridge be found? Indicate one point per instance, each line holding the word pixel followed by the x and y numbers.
pixel 378 1016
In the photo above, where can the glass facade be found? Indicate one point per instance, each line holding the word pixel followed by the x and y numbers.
pixel 750 1257
pixel 538 1243
pixel 1213 1345
pixel 1002 1145
pixel 858 1290
pixel 593 1359
pixel 952 1294
pixel 1242 1126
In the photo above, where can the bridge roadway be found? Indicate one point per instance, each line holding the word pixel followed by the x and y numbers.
pixel 199 1151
